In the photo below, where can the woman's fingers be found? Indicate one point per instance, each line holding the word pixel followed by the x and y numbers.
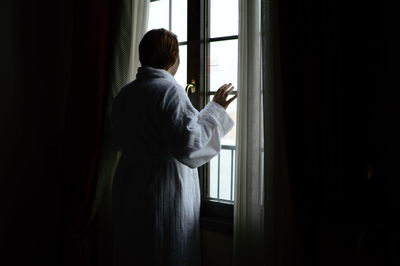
pixel 227 92
pixel 219 91
pixel 231 99
pixel 224 90
pixel 222 94
pixel 224 87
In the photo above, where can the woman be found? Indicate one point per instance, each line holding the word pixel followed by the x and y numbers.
pixel 163 139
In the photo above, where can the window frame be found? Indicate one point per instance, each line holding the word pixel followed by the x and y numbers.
pixel 215 215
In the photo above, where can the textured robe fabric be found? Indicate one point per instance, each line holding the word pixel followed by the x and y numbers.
pixel 156 193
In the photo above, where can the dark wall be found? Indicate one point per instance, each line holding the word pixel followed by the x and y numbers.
pixel 338 65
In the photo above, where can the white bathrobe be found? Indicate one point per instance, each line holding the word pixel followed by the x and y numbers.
pixel 156 194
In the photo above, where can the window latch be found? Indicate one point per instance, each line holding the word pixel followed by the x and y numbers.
pixel 191 86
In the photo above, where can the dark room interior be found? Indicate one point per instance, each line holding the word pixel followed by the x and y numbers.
pixel 341 116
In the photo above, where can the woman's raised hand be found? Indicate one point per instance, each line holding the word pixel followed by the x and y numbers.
pixel 222 93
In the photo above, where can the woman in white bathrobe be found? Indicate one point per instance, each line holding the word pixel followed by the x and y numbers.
pixel 162 139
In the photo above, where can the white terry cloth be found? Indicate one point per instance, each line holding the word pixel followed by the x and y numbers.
pixel 156 193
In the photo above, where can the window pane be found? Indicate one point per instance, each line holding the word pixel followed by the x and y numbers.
pixel 221 187
pixel 180 76
pixel 224 18
pixel 233 171
pixel 225 174
pixel 225 182
pixel 223 63
pixel 230 138
pixel 214 177
pixel 179 19
pixel 158 15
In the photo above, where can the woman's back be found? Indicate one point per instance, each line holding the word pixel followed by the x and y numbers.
pixel 136 118
pixel 162 139
pixel 156 199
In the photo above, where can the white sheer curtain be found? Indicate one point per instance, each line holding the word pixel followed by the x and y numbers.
pixel 249 201
pixel 263 233
pixel 140 15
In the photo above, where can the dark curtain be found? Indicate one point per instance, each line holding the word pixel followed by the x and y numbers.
pixel 340 114
pixel 84 113
pixel 86 108
pixel 57 55
pixel 100 236
pixel 279 237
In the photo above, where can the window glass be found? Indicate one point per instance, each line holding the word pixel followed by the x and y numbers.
pixel 222 167
pixel 213 177
pixel 233 171
pixel 224 16
pixel 223 63
pixel 181 74
pixel 226 176
pixel 158 15
pixel 221 176
pixel 230 138
pixel 179 19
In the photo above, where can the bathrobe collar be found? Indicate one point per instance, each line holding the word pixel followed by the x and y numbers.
pixel 151 73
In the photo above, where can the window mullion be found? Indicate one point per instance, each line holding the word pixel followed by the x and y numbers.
pixel 170 15
pixel 196 66
pixel 196 51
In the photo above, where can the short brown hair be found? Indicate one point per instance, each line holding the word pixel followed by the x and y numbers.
pixel 158 49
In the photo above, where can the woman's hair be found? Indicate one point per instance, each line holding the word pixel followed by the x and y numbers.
pixel 158 49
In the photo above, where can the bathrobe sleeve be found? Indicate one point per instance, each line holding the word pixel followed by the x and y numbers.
pixel 192 137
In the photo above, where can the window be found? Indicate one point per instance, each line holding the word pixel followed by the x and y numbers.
pixel 221 38
pixel 208 35
pixel 172 15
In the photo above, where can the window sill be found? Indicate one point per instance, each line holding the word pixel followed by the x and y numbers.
pixel 217 217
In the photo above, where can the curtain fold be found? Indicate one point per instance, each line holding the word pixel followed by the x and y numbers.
pixel 121 39
pixel 125 60
pixel 140 14
pixel 263 224
pixel 278 221
pixel 129 25
pixel 249 203
pixel 84 112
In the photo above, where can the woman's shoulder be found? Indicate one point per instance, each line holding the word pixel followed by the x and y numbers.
pixel 158 90
pixel 165 87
